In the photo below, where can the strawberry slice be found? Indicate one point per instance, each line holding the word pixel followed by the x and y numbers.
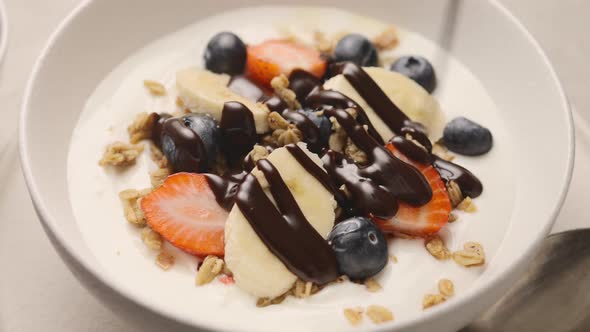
pixel 274 57
pixel 424 220
pixel 184 211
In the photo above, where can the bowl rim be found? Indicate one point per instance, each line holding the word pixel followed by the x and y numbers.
pixel 50 226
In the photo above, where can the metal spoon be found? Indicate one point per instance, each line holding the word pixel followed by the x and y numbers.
pixel 553 295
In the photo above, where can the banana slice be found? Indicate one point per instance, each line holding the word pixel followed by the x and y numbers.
pixel 410 97
pixel 205 92
pixel 256 270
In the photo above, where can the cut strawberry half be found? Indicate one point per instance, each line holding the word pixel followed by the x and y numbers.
pixel 424 220
pixel 184 211
pixel 274 57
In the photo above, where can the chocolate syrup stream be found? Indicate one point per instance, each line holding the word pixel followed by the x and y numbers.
pixel 393 117
pixel 469 183
pixel 187 142
pixel 411 150
pixel 287 234
pixel 238 133
pixel 310 132
pixel 317 172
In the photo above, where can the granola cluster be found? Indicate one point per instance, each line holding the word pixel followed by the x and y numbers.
pixel 377 314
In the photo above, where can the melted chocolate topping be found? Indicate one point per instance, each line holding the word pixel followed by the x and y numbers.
pixel 411 150
pixel 317 172
pixel 310 132
pixel 469 183
pixel 238 133
pixel 303 83
pixel 158 121
pixel 276 104
pixel 187 142
pixel 284 229
pixel 401 180
pixel 225 188
pixel 393 117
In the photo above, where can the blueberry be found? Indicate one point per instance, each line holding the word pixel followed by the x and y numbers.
pixel 225 53
pixel 360 247
pixel 418 69
pixel 322 122
pixel 466 137
pixel 357 49
pixel 190 143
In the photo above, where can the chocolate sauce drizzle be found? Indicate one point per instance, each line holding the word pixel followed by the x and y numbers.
pixel 238 133
pixel 284 229
pixel 393 117
pixel 372 189
pixel 188 143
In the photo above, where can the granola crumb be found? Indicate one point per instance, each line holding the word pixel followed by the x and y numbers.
pixel 354 315
pixel 437 248
pixel 388 39
pixel 180 102
pixel 258 152
pixel 446 288
pixel 379 314
pixel 158 157
pixel 441 151
pixel 276 121
pixel 291 135
pixel 302 289
pixel 155 88
pixel 121 154
pixel 280 85
pixel 372 285
pixel 265 302
pixel 151 238
pixel 467 205
pixel 453 217
pixel 471 255
pixel 157 177
pixel 210 268
pixel 393 258
pixel 141 128
pixel 165 260
pixel 337 140
pixel 432 300
pixel 455 194
pixel 356 154
pixel 131 199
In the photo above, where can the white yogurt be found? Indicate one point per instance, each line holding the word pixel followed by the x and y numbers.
pixel 117 245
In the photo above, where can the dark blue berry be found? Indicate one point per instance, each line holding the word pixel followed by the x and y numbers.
pixel 190 143
pixel 225 53
pixel 360 247
pixel 466 137
pixel 322 122
pixel 357 49
pixel 418 69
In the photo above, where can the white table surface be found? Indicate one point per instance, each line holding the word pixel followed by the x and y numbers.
pixel 38 293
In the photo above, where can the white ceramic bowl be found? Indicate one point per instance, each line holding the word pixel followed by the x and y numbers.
pixel 99 34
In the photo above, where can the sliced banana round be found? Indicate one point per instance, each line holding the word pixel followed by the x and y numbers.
pixel 255 268
pixel 409 96
pixel 205 92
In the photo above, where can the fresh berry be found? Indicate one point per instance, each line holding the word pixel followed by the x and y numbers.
pixel 190 143
pixel 274 57
pixel 225 54
pixel 184 211
pixel 466 137
pixel 360 248
pixel 357 49
pixel 418 69
pixel 424 220
pixel 322 122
